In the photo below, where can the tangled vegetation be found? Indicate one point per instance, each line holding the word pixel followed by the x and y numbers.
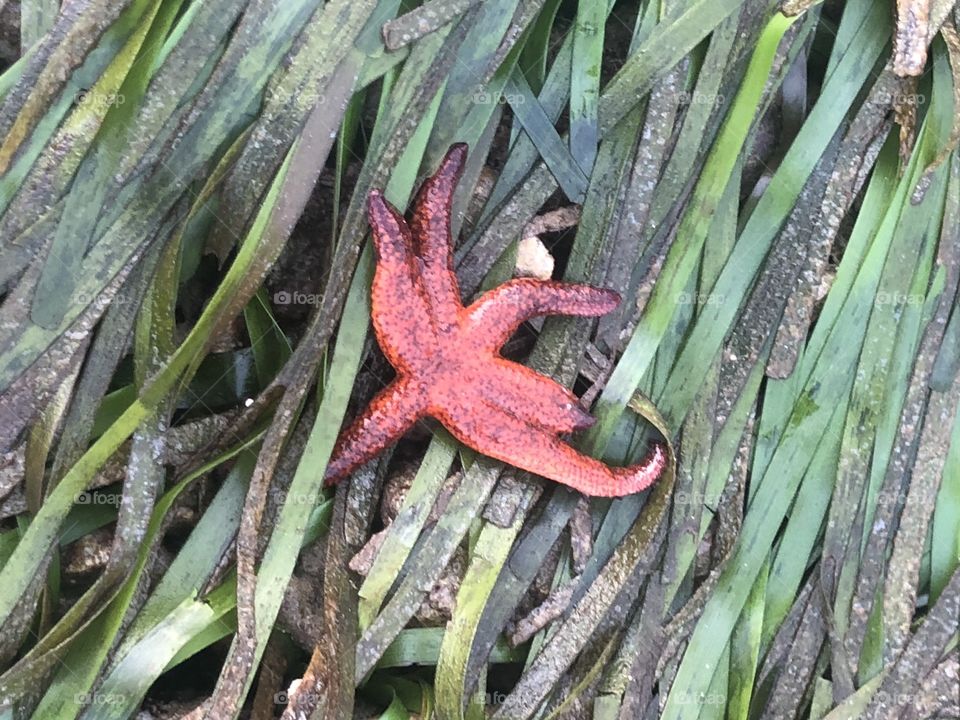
pixel 184 328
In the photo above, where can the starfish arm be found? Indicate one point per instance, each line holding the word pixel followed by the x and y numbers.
pixel 391 236
pixel 391 413
pixel 430 224
pixel 506 438
pixel 496 314
pixel 534 398
pixel 399 302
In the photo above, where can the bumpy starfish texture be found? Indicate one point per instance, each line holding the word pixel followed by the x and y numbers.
pixel 447 356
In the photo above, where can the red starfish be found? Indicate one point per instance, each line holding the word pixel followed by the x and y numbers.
pixel 448 361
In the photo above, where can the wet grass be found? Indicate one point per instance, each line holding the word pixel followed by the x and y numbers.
pixel 184 328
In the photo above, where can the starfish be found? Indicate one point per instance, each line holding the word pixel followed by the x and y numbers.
pixel 447 355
